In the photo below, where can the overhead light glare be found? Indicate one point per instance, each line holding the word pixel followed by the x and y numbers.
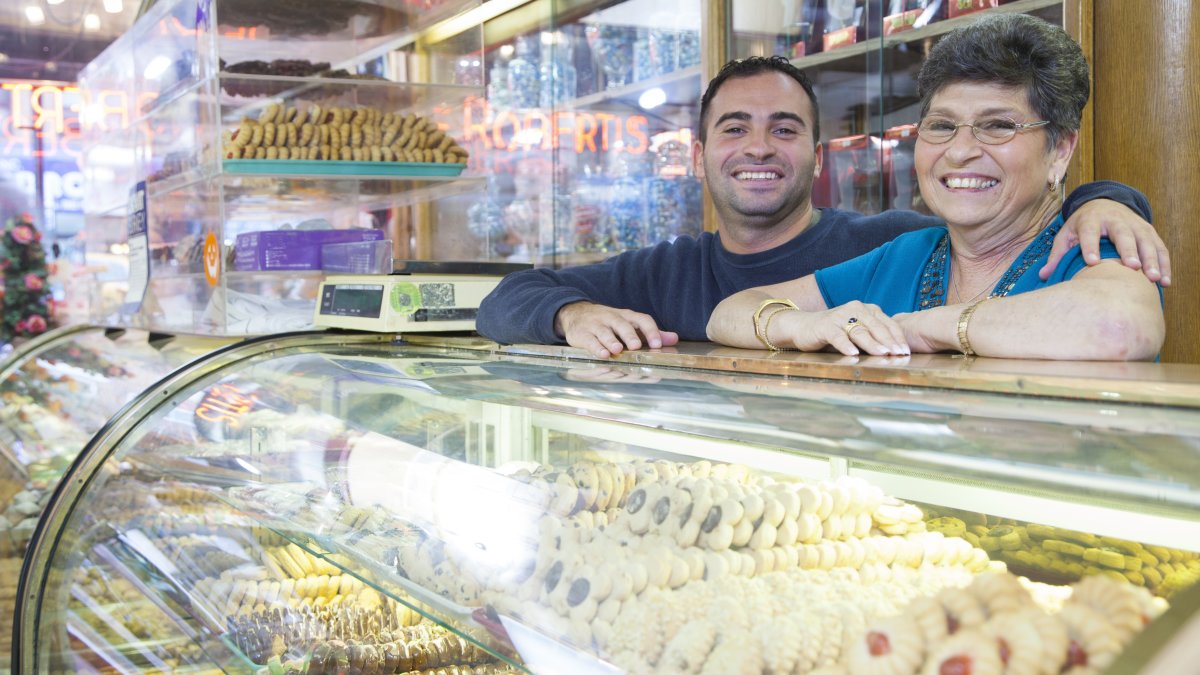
pixel 157 66
pixel 91 22
pixel 35 14
pixel 652 98
pixel 113 6
pixel 54 2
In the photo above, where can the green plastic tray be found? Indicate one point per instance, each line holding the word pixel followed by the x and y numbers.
pixel 330 167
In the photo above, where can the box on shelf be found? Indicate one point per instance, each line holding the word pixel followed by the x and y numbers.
pixel 964 7
pixel 852 167
pixel 843 23
pixel 898 23
pixel 358 257
pixel 291 249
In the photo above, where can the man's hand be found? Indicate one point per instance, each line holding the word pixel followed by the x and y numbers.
pixel 607 331
pixel 1136 240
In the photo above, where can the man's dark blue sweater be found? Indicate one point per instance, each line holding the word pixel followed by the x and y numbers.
pixel 679 283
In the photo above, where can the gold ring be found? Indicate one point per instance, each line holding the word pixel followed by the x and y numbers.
pixel 851 324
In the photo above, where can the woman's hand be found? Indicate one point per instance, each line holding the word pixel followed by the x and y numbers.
pixel 931 331
pixel 848 328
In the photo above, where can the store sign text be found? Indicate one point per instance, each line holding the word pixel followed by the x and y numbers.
pixel 515 130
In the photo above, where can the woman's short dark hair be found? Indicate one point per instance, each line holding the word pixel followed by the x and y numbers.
pixel 1013 50
pixel 754 65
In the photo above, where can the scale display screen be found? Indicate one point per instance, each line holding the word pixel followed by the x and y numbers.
pixel 363 300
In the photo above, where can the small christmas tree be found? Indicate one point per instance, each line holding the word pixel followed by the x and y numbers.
pixel 26 293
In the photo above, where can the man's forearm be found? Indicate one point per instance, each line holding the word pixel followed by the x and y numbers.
pixel 522 308
pixel 1107 189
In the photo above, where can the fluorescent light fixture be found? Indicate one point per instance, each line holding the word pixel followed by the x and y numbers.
pixel 113 6
pixel 157 66
pixel 469 19
pixel 652 98
pixel 91 22
pixel 35 14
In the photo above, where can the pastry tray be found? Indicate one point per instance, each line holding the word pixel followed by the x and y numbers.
pixel 336 167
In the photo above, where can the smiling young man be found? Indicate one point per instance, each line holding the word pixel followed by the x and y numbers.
pixel 758 152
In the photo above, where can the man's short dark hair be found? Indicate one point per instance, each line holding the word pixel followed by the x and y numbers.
pixel 1013 50
pixel 754 65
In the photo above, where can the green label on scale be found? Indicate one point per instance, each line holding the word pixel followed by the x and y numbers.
pixel 406 298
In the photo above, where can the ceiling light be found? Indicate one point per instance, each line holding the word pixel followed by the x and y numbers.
pixel 35 15
pixel 113 6
pixel 470 19
pixel 652 98
pixel 54 2
pixel 91 22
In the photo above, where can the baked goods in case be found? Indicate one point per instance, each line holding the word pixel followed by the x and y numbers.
pixel 1019 636
pixel 1064 555
pixel 361 134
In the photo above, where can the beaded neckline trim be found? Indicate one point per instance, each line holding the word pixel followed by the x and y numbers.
pixel 932 292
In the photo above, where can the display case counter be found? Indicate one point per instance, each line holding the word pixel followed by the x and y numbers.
pixel 324 503
pixel 56 391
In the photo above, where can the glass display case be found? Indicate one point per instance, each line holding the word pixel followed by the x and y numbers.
pixel 233 143
pixel 863 57
pixel 587 129
pixel 328 503
pixel 55 393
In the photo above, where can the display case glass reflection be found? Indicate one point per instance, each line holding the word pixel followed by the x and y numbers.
pixel 470 509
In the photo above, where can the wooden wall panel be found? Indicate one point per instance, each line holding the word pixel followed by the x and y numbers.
pixel 1147 134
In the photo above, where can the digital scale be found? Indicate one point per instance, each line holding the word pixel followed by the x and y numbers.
pixel 418 296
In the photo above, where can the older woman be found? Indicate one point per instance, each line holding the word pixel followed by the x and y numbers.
pixel 1001 104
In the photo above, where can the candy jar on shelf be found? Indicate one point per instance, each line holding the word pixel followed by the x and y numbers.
pixel 643 58
pixel 665 192
pixel 485 220
pixel 499 96
pixel 557 70
pixel 613 50
pixel 627 204
pixel 523 82
pixel 664 50
pixel 663 218
pixel 689 48
pixel 691 200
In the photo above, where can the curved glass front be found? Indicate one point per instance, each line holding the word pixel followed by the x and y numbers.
pixel 316 507
pixel 55 396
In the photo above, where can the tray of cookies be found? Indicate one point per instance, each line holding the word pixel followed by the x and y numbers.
pixel 316 139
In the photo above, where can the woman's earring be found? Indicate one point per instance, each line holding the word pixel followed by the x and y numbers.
pixel 1056 186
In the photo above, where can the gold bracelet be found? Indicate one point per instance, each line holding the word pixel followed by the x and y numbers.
pixel 964 319
pixel 767 327
pixel 760 326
